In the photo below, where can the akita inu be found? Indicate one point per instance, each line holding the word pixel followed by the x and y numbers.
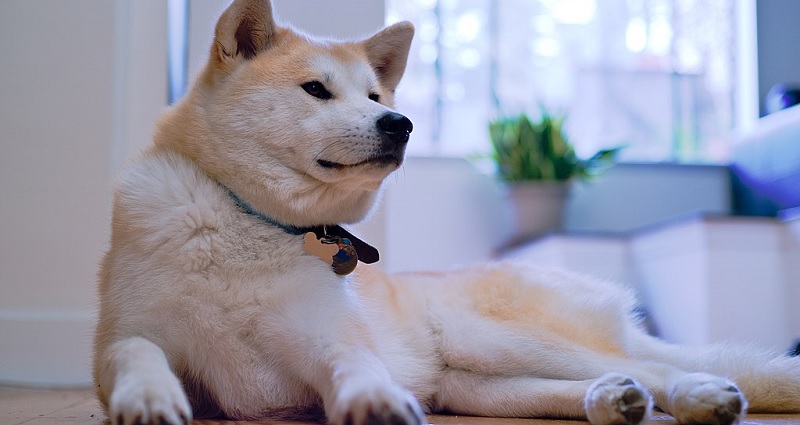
pixel 224 291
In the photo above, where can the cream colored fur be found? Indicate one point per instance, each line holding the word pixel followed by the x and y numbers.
pixel 207 310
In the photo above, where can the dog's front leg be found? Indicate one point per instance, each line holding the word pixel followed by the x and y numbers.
pixel 360 391
pixel 334 351
pixel 138 385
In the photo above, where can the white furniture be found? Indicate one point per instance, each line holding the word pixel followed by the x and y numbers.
pixel 702 279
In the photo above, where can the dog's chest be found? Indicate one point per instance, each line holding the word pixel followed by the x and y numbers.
pixel 186 239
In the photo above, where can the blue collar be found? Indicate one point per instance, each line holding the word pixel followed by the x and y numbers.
pixel 366 253
pixel 292 230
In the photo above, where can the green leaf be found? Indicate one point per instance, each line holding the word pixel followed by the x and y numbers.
pixel 527 150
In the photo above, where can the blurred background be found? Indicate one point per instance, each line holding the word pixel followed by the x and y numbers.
pixel 699 216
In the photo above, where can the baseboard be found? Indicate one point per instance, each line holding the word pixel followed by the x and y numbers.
pixel 46 348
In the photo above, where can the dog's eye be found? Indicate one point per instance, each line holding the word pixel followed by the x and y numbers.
pixel 317 89
pixel 375 97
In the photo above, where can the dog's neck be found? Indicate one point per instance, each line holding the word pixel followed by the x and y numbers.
pixel 297 202
pixel 366 253
pixel 292 230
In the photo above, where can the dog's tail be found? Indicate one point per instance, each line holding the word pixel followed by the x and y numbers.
pixel 769 380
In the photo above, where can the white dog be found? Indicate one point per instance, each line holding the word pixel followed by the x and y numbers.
pixel 225 290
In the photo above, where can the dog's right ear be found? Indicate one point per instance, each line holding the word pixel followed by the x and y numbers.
pixel 243 30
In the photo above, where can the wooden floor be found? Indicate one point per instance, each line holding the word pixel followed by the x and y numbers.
pixel 73 407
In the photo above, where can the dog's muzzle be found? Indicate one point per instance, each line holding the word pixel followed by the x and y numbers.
pixel 395 128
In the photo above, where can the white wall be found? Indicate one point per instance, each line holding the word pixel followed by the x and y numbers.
pixel 82 82
pixel 140 77
pixel 56 97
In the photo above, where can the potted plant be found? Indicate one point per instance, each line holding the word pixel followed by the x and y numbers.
pixel 538 163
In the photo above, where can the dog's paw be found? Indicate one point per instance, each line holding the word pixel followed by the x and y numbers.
pixel 700 398
pixel 616 399
pixel 386 404
pixel 149 400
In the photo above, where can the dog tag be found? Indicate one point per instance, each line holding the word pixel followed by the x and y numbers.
pixel 335 251
pixel 314 246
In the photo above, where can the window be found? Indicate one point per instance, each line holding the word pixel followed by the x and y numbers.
pixel 655 75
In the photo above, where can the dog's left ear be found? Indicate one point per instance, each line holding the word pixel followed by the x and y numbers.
pixel 387 52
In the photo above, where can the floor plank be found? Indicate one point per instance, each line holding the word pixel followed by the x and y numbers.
pixel 20 406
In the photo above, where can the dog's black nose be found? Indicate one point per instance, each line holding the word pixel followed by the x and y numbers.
pixel 395 126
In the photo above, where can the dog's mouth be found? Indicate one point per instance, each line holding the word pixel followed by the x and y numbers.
pixel 380 161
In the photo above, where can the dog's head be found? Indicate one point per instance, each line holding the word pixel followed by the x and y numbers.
pixel 301 129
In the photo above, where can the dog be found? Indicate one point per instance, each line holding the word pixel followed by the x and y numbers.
pixel 227 292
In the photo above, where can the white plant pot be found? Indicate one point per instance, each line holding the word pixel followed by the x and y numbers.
pixel 538 207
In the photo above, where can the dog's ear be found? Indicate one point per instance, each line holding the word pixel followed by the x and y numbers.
pixel 387 52
pixel 243 30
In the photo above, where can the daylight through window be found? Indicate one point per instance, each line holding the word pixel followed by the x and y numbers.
pixel 656 75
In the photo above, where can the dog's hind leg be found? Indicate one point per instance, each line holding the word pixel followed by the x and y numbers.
pixel 612 399
pixel 692 398
pixel 138 386
pixel 494 351
pixel 488 347
pixel 769 380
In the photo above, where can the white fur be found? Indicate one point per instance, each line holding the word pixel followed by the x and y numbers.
pixel 207 306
